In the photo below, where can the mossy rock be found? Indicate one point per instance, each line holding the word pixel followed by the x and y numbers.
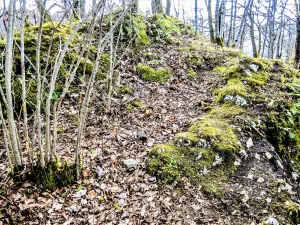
pixel 257 79
pixel 189 138
pixel 171 163
pixel 150 74
pixel 264 65
pixel 219 133
pixel 233 87
pixel 226 111
pixel 194 152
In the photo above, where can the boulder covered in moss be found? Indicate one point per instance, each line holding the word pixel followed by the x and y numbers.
pixel 209 144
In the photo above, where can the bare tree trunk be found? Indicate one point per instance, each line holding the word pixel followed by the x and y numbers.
pixel 110 76
pixel 39 88
pixel 252 35
pixel 156 6
pixel 102 43
pixel 8 72
pixel 242 26
pixel 231 24
pixel 217 18
pixel 234 22
pixel 5 138
pixel 82 8
pixel 210 21
pixel 196 17
pixel 297 47
pixel 272 35
pixel 221 27
pixel 267 29
pixel 168 8
pixel 25 120
pixel 69 80
pixel 243 37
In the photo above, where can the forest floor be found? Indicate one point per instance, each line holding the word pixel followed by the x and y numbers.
pixel 111 194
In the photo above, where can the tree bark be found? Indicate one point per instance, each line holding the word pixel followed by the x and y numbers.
pixel 25 120
pixel 39 88
pixel 242 26
pixel 297 47
pixel 210 21
pixel 217 18
pixel 8 72
pixel 168 8
pixel 156 6
pixel 231 24
pixel 252 35
pixel 196 17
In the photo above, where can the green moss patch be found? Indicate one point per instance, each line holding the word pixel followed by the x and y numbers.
pixel 257 79
pixel 136 103
pixel 219 133
pixel 52 176
pixel 204 154
pixel 126 90
pixel 191 73
pixel 233 87
pixel 150 74
pixel 171 163
pixel 227 111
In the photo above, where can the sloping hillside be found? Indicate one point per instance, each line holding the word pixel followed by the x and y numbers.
pixel 197 134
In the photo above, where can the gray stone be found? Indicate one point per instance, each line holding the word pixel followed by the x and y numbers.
pixel 152 179
pixel 141 135
pixel 271 221
pixel 238 100
pixel 131 164
pixel 253 67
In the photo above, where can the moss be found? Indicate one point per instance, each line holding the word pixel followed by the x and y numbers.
pixel 187 137
pixel 219 133
pixel 150 74
pixel 263 64
pixel 214 181
pixel 134 27
pixel 136 103
pixel 53 175
pixel 117 207
pixel 194 152
pixel 257 79
pixel 233 87
pixel 227 111
pixel 101 199
pixel 220 41
pixel 191 73
pixel 129 108
pixel 60 129
pixel 171 163
pixel 126 90
pixel 163 28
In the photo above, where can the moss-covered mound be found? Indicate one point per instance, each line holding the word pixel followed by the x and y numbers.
pixel 207 148
pixel 150 74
